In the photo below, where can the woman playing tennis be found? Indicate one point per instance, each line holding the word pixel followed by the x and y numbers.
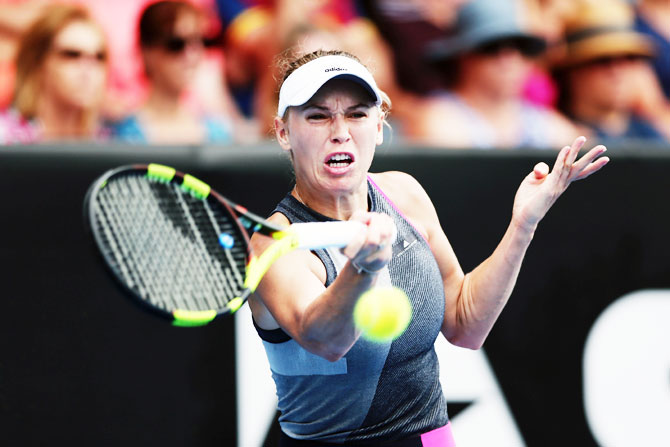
pixel 335 387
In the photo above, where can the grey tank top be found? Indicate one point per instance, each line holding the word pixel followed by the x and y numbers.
pixel 376 392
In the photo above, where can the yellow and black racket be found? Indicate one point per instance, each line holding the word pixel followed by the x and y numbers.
pixel 181 249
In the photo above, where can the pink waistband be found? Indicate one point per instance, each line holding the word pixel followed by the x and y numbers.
pixel 440 437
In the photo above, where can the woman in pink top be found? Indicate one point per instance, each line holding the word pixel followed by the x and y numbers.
pixel 61 75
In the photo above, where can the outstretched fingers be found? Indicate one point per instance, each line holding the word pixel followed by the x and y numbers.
pixel 587 160
pixel 566 158
pixel 574 151
pixel 560 160
pixel 591 168
pixel 561 168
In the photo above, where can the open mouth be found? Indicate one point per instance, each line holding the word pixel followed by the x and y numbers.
pixel 339 160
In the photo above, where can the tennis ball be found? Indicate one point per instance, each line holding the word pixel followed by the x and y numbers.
pixel 382 314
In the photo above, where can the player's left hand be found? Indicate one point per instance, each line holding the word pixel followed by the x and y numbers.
pixel 540 189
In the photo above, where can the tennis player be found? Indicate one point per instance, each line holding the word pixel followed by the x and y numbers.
pixel 335 387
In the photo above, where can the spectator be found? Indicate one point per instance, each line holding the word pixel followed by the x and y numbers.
pixel 127 86
pixel 172 43
pixel 408 26
pixel 598 70
pixel 61 72
pixel 486 63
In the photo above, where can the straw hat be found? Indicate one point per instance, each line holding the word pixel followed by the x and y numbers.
pixel 481 22
pixel 600 29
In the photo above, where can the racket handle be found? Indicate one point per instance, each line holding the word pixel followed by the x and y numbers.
pixel 313 236
pixel 309 236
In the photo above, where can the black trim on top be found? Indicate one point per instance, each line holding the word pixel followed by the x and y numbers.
pixel 275 336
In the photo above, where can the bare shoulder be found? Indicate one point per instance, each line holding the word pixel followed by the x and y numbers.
pixel 269 300
pixel 408 196
pixel 259 242
pixel 399 186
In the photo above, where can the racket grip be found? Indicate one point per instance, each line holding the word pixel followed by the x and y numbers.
pixel 313 236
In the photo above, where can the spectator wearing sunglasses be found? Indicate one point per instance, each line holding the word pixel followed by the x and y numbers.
pixel 61 74
pixel 486 63
pixel 172 44
pixel 598 70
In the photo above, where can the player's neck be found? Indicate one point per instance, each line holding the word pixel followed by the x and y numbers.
pixel 338 206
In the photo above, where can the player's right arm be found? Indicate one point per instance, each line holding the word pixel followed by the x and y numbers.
pixel 292 294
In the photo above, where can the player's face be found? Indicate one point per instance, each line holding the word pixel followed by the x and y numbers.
pixel 333 137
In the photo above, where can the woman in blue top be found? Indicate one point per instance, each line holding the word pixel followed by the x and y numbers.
pixel 172 44
pixel 335 387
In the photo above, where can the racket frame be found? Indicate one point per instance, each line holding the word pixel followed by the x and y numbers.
pixel 244 220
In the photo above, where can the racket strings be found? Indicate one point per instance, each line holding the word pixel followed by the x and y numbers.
pixel 142 262
pixel 179 263
pixel 234 276
pixel 200 266
pixel 111 218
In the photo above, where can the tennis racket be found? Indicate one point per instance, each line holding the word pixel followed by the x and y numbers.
pixel 180 249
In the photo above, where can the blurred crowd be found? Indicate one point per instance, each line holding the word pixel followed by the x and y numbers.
pixel 460 73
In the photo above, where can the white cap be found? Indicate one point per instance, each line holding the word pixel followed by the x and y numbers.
pixel 306 80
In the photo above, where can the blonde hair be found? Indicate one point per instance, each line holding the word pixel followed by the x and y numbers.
pixel 33 50
pixel 288 63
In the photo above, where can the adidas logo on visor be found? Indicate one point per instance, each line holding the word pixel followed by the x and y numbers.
pixel 304 82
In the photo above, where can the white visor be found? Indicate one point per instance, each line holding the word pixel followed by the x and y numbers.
pixel 305 81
